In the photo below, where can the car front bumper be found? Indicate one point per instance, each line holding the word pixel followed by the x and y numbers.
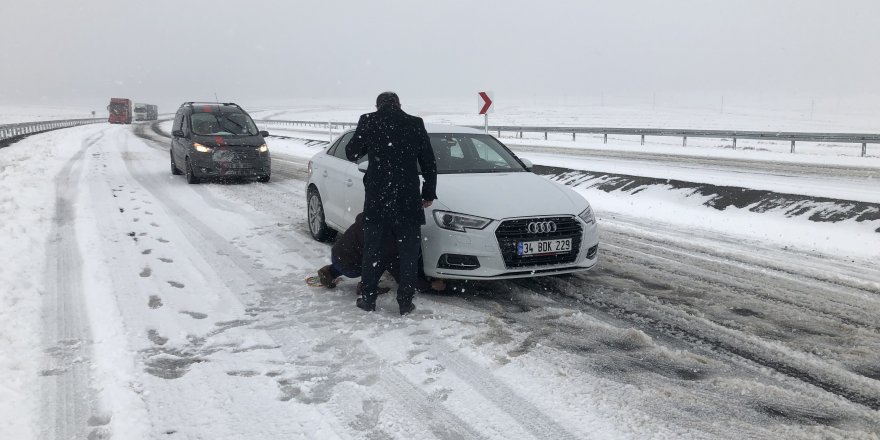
pixel 205 166
pixel 482 248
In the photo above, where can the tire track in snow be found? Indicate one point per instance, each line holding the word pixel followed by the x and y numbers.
pixel 700 272
pixel 680 324
pixel 809 267
pixel 70 403
pixel 499 393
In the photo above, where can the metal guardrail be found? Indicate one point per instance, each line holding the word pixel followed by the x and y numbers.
pixel 22 128
pixel 790 136
pixel 310 124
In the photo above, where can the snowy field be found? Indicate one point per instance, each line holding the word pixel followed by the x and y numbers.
pixel 12 114
pixel 138 306
pixel 696 112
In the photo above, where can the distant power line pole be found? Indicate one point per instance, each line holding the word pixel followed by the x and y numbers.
pixel 812 107
pixel 722 104
pixel 654 102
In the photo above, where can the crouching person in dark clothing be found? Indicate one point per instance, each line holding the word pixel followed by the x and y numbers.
pixel 346 259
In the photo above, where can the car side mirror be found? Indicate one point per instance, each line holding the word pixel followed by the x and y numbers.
pixel 264 133
pixel 527 163
pixel 177 133
pixel 362 167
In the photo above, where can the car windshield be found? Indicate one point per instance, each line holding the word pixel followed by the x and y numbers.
pixel 117 108
pixel 472 153
pixel 223 124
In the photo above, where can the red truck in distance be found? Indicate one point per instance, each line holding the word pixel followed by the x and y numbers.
pixel 120 111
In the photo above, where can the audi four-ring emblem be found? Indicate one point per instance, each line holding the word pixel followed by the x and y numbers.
pixel 541 227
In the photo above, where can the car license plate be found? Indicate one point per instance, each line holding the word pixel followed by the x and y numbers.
pixel 543 247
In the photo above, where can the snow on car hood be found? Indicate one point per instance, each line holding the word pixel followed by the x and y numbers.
pixel 503 195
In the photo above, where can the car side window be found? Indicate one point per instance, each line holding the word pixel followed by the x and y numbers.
pixel 487 153
pixel 332 148
pixel 178 122
pixel 455 151
pixel 340 147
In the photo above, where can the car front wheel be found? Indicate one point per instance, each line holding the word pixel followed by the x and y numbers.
pixel 190 174
pixel 174 170
pixel 317 226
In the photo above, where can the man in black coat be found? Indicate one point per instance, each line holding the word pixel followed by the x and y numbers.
pixel 396 145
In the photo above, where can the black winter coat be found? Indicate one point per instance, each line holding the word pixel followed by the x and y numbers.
pixel 395 143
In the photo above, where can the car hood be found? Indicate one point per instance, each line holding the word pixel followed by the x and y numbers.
pixel 505 195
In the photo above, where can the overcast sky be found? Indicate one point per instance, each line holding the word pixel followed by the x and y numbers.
pixel 170 51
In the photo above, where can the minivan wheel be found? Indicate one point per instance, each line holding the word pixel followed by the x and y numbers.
pixel 190 175
pixel 174 170
pixel 318 228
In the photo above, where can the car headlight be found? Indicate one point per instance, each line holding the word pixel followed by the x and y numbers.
pixel 201 148
pixel 459 222
pixel 587 216
pixel 263 148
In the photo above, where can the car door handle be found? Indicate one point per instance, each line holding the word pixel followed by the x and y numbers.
pixel 349 182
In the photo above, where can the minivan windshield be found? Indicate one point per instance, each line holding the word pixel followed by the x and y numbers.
pixel 472 153
pixel 223 124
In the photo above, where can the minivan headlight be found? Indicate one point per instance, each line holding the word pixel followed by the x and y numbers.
pixel 201 148
pixel 263 148
pixel 459 222
pixel 587 216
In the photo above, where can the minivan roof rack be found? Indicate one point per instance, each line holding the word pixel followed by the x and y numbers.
pixel 191 103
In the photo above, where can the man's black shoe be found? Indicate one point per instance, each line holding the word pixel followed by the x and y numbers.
pixel 406 307
pixel 365 304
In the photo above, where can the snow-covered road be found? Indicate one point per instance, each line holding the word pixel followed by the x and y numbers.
pixel 179 311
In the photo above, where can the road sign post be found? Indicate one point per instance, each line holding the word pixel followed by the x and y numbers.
pixel 484 103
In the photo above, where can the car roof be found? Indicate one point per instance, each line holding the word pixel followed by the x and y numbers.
pixel 208 107
pixel 447 128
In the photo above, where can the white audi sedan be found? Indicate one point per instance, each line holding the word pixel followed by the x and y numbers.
pixel 493 219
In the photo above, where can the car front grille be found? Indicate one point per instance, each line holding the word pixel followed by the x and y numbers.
pixel 244 154
pixel 510 232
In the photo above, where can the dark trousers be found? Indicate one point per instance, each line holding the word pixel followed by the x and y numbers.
pixel 408 238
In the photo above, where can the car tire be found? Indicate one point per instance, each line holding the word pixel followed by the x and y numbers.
pixel 190 174
pixel 263 179
pixel 174 170
pixel 317 226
